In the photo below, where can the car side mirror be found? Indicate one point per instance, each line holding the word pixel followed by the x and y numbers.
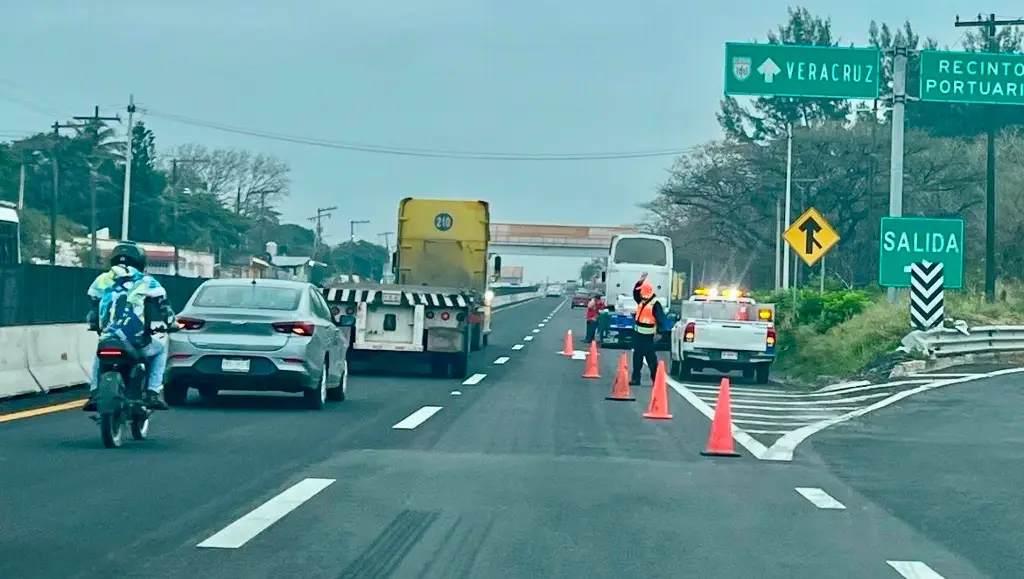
pixel 347 321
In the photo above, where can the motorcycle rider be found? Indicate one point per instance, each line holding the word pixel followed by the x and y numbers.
pixel 121 299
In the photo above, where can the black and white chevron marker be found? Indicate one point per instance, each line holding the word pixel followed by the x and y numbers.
pixel 927 297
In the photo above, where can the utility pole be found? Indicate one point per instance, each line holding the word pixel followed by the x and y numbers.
pixel 54 203
pixel 94 130
pixel 990 24
pixel 262 193
pixel 387 246
pixel 899 104
pixel 175 237
pixel 352 240
pixel 128 170
pixel 321 212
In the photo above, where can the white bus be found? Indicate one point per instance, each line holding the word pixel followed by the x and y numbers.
pixel 10 234
pixel 630 255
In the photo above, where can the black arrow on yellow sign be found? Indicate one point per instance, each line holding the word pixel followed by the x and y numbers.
pixel 810 228
pixel 811 236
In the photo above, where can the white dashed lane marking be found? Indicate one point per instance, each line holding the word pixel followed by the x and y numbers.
pixel 416 418
pixel 517 347
pixel 528 339
pixel 474 379
pixel 262 517
pixel 502 360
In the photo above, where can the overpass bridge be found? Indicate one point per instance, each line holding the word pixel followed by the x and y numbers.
pixel 553 240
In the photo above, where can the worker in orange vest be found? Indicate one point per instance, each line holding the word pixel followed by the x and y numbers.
pixel 649 317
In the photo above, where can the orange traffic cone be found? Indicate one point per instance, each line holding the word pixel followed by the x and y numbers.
pixel 720 441
pixel 620 388
pixel 592 370
pixel 567 350
pixel 658 410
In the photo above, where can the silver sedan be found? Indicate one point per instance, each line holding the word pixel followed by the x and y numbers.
pixel 258 335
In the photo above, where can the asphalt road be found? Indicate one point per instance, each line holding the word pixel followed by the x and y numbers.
pixel 527 472
pixel 949 462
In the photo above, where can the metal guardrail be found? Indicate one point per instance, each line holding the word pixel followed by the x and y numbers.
pixel 946 342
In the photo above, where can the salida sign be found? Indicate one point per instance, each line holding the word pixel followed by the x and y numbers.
pixel 908 240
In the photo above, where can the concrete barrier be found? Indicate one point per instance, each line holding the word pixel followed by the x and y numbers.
pixel 501 301
pixel 15 379
pixel 53 355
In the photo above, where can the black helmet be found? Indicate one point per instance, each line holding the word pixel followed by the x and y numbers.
pixel 128 253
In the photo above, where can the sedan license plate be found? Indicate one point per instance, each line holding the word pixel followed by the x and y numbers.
pixel 391 297
pixel 729 355
pixel 229 365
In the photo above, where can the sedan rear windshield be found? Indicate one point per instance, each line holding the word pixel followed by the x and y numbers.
pixel 248 297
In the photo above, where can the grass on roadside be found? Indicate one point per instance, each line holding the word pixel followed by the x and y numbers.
pixel 808 354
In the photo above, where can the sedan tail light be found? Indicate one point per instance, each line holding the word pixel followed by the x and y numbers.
pixel 297 328
pixel 190 323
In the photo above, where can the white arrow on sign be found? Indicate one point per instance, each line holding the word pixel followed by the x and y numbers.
pixel 769 69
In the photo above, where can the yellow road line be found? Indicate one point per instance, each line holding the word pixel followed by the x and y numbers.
pixel 42 411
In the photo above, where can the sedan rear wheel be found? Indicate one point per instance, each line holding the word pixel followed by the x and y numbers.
pixel 316 397
pixel 339 392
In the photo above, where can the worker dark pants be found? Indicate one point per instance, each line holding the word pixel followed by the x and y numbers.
pixel 643 349
pixel 591 331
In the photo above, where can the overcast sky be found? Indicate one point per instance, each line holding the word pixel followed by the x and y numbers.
pixel 530 76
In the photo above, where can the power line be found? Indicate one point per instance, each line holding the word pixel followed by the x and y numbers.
pixel 414 152
pixel 94 127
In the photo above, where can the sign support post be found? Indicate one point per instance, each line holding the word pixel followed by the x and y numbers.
pixel 789 201
pixel 899 97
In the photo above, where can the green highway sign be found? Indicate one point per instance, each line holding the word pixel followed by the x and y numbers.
pixel 801 71
pixel 972 77
pixel 907 240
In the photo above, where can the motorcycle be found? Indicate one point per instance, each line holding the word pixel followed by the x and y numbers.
pixel 122 382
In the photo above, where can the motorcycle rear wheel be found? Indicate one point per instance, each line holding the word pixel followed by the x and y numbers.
pixel 112 430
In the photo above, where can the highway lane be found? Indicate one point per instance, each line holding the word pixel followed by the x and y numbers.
pixel 527 473
pixel 61 492
pixel 948 462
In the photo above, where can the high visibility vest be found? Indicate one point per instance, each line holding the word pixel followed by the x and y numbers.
pixel 645 320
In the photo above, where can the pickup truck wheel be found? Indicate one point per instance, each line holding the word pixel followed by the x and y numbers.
pixel 675 368
pixel 685 370
pixel 761 373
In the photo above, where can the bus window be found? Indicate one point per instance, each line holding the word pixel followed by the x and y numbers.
pixel 640 250
pixel 8 243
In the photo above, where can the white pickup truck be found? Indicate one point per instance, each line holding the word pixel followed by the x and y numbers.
pixel 724 334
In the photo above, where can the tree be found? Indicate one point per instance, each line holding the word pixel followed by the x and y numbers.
pixel 592 268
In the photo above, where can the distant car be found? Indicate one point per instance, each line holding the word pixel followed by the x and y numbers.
pixel 553 291
pixel 258 335
pixel 579 300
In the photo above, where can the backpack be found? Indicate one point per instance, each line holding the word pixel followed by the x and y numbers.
pixel 124 313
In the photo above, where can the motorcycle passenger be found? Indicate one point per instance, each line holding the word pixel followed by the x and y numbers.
pixel 121 299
